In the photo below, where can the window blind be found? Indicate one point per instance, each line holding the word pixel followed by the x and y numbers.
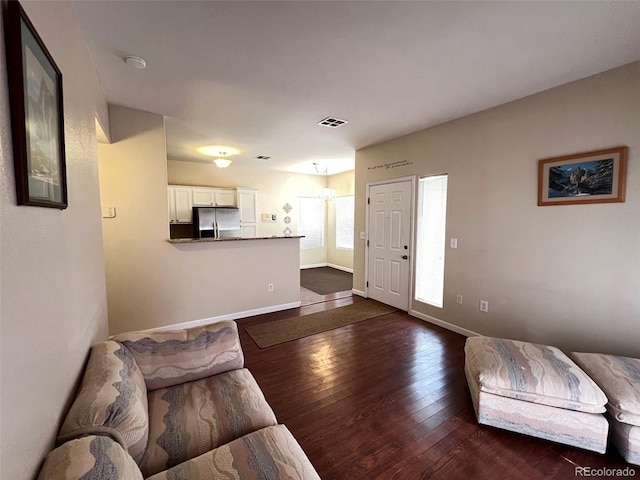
pixel 311 222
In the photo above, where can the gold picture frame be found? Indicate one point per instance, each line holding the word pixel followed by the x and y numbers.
pixel 591 177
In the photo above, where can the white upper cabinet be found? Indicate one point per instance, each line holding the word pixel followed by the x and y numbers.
pixel 248 205
pixel 179 204
pixel 213 197
pixel 183 197
pixel 202 196
pixel 224 198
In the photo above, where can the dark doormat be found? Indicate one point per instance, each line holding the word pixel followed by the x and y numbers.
pixel 287 329
pixel 326 280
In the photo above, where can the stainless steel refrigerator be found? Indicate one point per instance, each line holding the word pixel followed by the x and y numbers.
pixel 216 222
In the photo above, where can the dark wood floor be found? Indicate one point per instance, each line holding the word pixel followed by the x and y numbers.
pixel 386 398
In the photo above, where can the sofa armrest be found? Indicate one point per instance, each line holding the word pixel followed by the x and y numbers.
pixel 90 458
pixel 172 357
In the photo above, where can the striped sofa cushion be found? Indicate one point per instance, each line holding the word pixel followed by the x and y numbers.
pixel 271 453
pixel 533 373
pixel 619 377
pixel 172 357
pixel 89 458
pixel 192 418
pixel 112 400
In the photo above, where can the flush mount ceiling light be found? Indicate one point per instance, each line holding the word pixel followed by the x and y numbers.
pixel 332 122
pixel 222 162
pixel 135 62
pixel 219 151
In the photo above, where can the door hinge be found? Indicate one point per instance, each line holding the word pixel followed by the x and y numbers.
pixel 368 201
pixel 367 243
pixel 367 284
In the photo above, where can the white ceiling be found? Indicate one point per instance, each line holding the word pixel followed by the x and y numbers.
pixel 258 76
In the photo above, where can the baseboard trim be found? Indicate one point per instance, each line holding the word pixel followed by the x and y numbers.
pixel 313 265
pixel 338 267
pixel 443 324
pixel 360 293
pixel 228 316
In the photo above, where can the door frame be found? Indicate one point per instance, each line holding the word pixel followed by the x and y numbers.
pixel 412 215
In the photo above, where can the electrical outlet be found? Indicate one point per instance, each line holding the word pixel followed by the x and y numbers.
pixel 484 306
pixel 459 299
pixel 270 287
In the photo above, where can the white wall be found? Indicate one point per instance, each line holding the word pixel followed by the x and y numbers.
pixel 564 275
pixel 52 296
pixel 152 283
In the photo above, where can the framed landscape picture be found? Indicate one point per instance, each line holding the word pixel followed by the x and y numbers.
pixel 35 90
pixel 591 177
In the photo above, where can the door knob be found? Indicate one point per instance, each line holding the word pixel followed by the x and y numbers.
pixel 404 257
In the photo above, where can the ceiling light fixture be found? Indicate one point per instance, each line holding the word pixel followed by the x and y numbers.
pixel 316 165
pixel 325 193
pixel 328 193
pixel 135 62
pixel 222 162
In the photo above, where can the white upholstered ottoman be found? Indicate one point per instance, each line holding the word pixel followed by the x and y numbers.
pixel 619 377
pixel 535 390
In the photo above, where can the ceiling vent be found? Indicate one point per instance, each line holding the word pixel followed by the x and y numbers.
pixel 332 122
pixel 263 157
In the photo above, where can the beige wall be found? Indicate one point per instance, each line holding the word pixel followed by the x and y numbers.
pixel 565 275
pixel 275 189
pixel 52 297
pixel 152 283
pixel 344 185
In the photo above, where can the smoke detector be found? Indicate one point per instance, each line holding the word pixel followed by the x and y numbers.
pixel 135 62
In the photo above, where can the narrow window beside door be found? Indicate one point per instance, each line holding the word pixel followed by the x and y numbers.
pixel 430 246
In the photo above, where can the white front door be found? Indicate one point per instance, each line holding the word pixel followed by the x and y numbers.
pixel 389 249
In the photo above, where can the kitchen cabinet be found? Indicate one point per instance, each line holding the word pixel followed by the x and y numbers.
pixel 224 197
pixel 183 197
pixel 247 199
pixel 180 204
pixel 249 230
pixel 214 197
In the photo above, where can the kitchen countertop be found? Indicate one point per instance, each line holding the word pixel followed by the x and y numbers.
pixel 235 239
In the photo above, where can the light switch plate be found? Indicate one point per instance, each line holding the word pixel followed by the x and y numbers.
pixel 108 212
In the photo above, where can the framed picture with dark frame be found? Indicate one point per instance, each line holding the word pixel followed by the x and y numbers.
pixel 35 90
pixel 591 177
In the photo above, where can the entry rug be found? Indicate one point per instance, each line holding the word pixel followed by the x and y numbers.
pixel 326 280
pixel 287 329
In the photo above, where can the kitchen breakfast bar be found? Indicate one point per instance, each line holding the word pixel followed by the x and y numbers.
pixel 228 278
pixel 232 239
